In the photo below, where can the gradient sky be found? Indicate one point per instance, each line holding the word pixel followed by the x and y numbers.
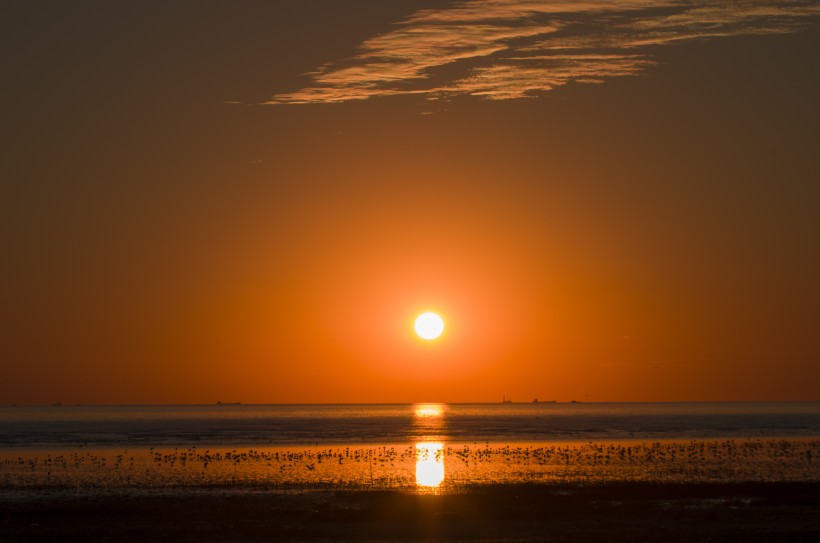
pixel 252 200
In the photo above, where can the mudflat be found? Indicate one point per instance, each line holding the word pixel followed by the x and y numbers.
pixel 618 512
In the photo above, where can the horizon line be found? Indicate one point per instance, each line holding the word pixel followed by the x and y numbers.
pixel 540 402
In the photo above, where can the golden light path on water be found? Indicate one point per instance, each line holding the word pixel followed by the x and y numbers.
pixel 429 464
pixel 429 419
pixel 425 410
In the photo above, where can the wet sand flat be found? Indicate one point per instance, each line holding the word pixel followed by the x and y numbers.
pixel 749 512
pixel 446 467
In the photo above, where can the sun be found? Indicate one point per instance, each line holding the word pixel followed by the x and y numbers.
pixel 429 326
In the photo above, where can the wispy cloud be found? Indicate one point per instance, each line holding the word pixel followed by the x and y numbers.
pixel 505 49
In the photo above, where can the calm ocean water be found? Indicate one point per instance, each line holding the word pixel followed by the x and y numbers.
pixel 229 425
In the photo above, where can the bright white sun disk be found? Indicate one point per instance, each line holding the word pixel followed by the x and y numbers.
pixel 429 325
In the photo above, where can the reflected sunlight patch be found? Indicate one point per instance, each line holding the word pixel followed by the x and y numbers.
pixel 429 464
pixel 428 410
pixel 507 49
pixel 429 422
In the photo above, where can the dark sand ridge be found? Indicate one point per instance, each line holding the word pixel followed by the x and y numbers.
pixel 748 512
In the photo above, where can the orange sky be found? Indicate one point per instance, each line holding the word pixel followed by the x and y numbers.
pixel 629 213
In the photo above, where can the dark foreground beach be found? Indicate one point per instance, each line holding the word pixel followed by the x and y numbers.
pixel 716 490
pixel 748 512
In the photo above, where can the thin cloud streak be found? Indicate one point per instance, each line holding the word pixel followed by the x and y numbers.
pixel 538 74
pixel 510 49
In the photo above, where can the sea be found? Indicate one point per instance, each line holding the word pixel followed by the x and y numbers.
pixel 98 450
pixel 227 425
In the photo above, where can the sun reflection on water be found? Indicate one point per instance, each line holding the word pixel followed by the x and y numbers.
pixel 429 422
pixel 429 464
pixel 428 410
pixel 429 425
